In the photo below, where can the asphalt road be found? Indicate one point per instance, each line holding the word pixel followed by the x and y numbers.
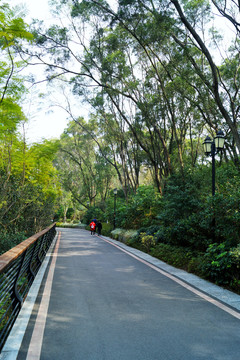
pixel 106 305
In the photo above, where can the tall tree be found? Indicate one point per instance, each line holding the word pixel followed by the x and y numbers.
pixel 87 175
pixel 148 66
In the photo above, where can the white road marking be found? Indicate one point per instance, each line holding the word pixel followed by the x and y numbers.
pixel 35 346
pixel 34 351
pixel 182 283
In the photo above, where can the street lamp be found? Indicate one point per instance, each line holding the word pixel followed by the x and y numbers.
pixel 114 214
pixel 211 148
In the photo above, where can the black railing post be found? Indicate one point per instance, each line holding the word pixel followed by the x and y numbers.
pixel 16 294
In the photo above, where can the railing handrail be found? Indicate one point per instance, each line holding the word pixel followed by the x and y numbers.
pixel 18 269
pixel 16 251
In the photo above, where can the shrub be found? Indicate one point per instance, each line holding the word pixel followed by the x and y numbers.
pixel 235 255
pixel 106 229
pixel 123 235
pixel 222 265
pixel 117 233
pixel 151 230
pixel 141 209
pixel 218 263
pixel 180 257
pixel 91 213
pixel 147 241
pixel 162 235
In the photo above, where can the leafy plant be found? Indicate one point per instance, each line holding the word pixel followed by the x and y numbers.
pixel 147 241
pixel 218 263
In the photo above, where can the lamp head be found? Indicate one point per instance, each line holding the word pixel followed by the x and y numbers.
pixel 219 140
pixel 207 144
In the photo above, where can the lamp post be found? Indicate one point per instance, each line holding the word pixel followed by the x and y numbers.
pixel 211 148
pixel 114 214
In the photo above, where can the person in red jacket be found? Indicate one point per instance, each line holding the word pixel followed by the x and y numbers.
pixel 93 227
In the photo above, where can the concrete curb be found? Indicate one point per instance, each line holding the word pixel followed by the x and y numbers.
pixel 225 296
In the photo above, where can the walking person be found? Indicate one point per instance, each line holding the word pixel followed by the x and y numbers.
pixel 99 227
pixel 93 227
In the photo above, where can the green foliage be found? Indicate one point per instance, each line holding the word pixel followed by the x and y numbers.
pixel 221 265
pixel 123 235
pixel 181 257
pixel 92 213
pixel 106 229
pixel 141 209
pixel 117 234
pixel 153 98
pixel 87 174
pixel 9 240
pixel 218 263
pixel 235 256
pixel 28 186
pixel 12 28
pixel 13 32
pixel 147 241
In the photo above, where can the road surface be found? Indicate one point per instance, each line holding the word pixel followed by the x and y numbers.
pixel 99 303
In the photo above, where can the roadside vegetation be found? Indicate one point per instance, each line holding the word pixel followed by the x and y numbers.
pixel 28 181
pixel 177 226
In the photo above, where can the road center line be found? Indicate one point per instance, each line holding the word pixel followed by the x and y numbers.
pixel 180 282
pixel 35 346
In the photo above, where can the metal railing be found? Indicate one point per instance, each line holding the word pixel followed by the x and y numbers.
pixel 18 268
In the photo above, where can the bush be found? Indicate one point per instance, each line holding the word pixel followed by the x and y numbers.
pixel 106 229
pixel 235 255
pixel 180 257
pixel 218 263
pixel 162 235
pixel 123 235
pixel 117 233
pixel 150 230
pixel 129 234
pixel 222 265
pixel 141 209
pixel 147 241
pixel 92 212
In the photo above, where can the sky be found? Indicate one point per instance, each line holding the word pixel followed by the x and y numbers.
pixel 45 121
